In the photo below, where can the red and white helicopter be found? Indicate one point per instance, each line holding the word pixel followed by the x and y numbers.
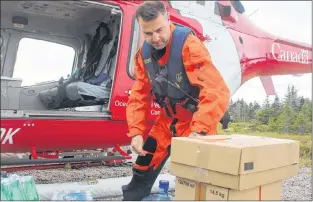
pixel 87 110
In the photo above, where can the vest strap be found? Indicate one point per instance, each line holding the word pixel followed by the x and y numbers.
pixel 173 127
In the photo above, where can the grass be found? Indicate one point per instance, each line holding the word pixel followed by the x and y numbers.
pixel 305 141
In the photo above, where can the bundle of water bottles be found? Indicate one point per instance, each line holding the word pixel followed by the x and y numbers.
pixel 18 188
pixel 75 195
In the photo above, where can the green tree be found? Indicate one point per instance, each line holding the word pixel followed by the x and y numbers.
pixel 285 119
pixel 265 113
pixel 302 123
pixel 291 115
pixel 276 108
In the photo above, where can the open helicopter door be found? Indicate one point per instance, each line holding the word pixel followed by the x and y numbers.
pixel 4 41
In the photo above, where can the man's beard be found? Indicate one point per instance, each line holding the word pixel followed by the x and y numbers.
pixel 161 47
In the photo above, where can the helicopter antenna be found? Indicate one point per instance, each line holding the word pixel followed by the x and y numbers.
pixel 253 13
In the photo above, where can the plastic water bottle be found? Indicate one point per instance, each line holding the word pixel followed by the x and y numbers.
pixel 77 195
pixel 4 196
pixel 162 194
pixel 29 188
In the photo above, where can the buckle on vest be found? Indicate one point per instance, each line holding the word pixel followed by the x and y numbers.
pixel 173 127
pixel 184 102
pixel 189 105
pixel 166 100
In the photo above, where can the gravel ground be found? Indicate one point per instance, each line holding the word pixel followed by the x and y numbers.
pixel 294 188
pixel 75 175
pixel 298 188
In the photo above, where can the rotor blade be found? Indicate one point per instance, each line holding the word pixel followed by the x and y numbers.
pixel 268 85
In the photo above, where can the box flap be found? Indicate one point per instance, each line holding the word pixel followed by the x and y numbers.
pixel 201 153
pixel 234 154
pixel 268 153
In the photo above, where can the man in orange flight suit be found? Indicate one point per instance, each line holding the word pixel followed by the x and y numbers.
pixel 176 68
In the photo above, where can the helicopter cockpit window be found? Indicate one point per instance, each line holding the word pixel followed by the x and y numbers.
pixel 238 6
pixel 201 3
pixel 2 51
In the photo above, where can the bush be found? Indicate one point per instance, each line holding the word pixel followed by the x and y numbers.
pixel 306 149
pixel 263 128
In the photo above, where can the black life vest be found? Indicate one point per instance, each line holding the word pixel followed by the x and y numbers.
pixel 170 84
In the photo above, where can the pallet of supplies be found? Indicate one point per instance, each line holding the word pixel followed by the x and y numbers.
pixel 236 167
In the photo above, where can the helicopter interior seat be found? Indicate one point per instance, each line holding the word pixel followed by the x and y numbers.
pixel 95 88
pixel 91 83
pixel 50 97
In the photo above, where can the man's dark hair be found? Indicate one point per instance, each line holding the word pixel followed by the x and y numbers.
pixel 150 10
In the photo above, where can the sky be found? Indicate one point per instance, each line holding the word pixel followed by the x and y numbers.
pixel 39 61
pixel 287 19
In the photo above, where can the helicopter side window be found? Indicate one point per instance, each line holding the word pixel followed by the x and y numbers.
pixel 135 44
pixel 238 6
pixel 34 63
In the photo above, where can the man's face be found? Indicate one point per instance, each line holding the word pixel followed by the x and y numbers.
pixel 156 32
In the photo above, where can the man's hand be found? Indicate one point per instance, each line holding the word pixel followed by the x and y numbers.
pixel 136 144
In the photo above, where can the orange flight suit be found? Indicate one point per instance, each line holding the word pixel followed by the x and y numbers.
pixel 213 102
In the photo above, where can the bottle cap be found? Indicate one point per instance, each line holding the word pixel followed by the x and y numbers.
pixel 164 184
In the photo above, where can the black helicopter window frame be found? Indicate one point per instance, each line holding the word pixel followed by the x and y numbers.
pixel 202 3
pixel 238 6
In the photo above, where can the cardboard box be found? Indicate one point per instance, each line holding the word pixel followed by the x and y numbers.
pixel 234 161
pixel 192 190
pixel 189 190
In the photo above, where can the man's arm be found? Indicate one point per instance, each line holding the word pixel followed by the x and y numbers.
pixel 214 93
pixel 139 100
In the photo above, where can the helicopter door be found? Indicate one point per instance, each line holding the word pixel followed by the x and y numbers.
pixel 4 41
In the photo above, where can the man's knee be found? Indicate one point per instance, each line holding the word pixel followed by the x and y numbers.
pixel 150 145
pixel 144 174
